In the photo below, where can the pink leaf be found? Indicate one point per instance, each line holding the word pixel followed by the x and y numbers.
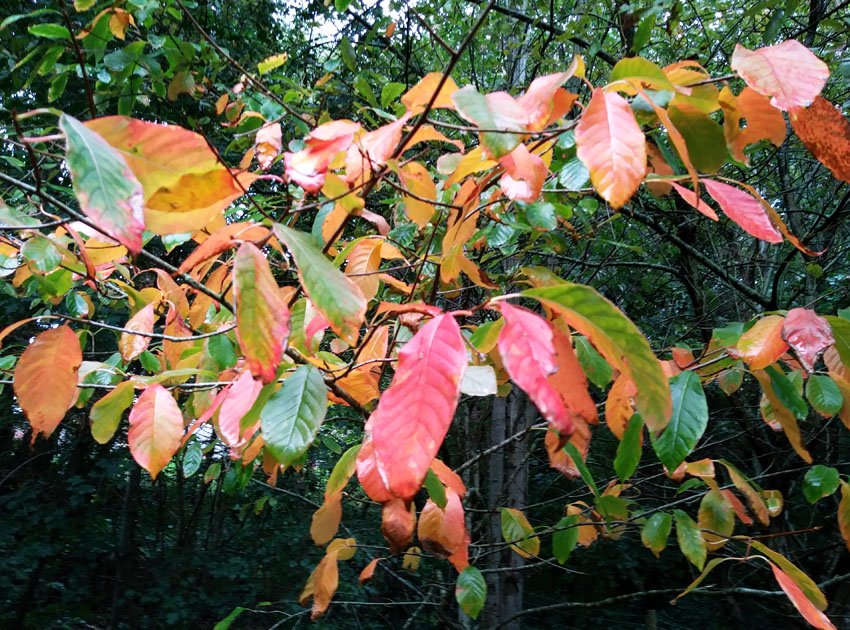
pixel 240 397
pixel 156 425
pixel 695 201
pixel 307 167
pixel 743 209
pixel 808 333
pixel 525 174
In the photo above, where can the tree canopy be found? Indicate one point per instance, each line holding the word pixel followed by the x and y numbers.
pixel 436 313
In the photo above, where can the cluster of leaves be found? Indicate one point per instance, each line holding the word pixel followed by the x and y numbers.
pixel 234 337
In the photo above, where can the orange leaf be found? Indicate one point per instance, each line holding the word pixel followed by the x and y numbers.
pixel 307 168
pixel 800 601
pixel 525 174
pixel 783 416
pixel 416 410
pixel 764 122
pixel 45 380
pixel 442 530
pixel 789 73
pixel 239 398
pixel 570 380
pixel 369 571
pixel 373 149
pixel 659 166
pixel 268 144
pixel 325 523
pixel 826 133
pixel 262 317
pixel 398 518
pixel 365 258
pixel 588 533
pixel 449 477
pixel 427 133
pixel 220 241
pixel 156 426
pixel 325 582
pixel 416 179
pixel 558 457
pixel 619 406
pixel 762 344
pixel 612 147
pixel 417 97
pixel 525 345
pixel 131 345
pixel 695 201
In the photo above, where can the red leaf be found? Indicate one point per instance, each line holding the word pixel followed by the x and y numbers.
pixel 695 201
pixel 239 398
pixel 367 473
pixel 826 133
pixel 398 518
pixel 525 345
pixel 525 174
pixel 789 73
pixel 45 378
pixel 156 426
pixel 307 168
pixel 744 210
pixel 131 345
pixel 262 317
pixel 416 410
pixel 612 147
pixel 800 601
pixel 570 380
pixel 808 334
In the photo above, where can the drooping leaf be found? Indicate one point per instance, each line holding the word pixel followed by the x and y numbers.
pixel 325 522
pixel 716 514
pixel 156 426
pixel 372 150
pixel 334 295
pixel 801 602
pixel 471 591
pixel 763 344
pixel 130 345
pixel 415 412
pixel 442 529
pixel 237 402
pixel 800 578
pixel 820 481
pixel 496 111
pixel 789 73
pixel 292 416
pixel 824 395
pixel 619 341
pixel 308 167
pixel 565 540
pixel 844 513
pixel 688 422
pixel 325 580
pixel 369 571
pixel 695 201
pixel 612 147
pixel 106 413
pixel 754 498
pixel 417 97
pixel 106 188
pixel 398 518
pixel 743 209
pixel 764 122
pixel 655 532
pixel 595 367
pixel 342 471
pixel 46 378
pixel 262 317
pixel 808 334
pixel 570 380
pixel 689 538
pixel 826 133
pixel 703 137
pixel 525 174
pixel 518 531
pixel 786 419
pixel 417 180
pixel 525 345
pixel 629 448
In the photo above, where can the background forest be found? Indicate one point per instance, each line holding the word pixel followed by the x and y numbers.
pixel 89 540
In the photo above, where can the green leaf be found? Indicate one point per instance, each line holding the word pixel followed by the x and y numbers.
pixel 819 482
pixel 841 333
pixel 703 137
pixel 224 624
pixel 643 71
pixel 542 215
pixel 332 293
pixel 341 5
pixel 473 106
pixel 565 540
pixel 192 458
pixel 573 175
pixel 13 216
pixel 787 393
pixel 689 538
pixel 331 444
pixel 593 364
pixel 342 471
pixel 270 63
pixel 48 61
pixel 618 340
pixel 823 395
pixel 578 460
pixel 349 57
pixel 293 415
pixel 656 531
pixel 212 473
pixel 518 531
pixel 41 253
pixel 50 31
pixel 728 335
pixel 21 16
pixel 690 417
pixel 84 5
pixel 150 362
pixel 435 489
pixel 106 413
pixel 57 87
pixel 486 335
pixel 107 190
pixel 221 349
pixel 361 84
pixel 390 92
pixel 629 448
pixel 471 591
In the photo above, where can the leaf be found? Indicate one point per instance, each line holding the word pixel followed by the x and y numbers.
pixel 225 623
pixel 786 419
pixel 655 532
pixel 689 538
pixel 398 518
pixel 415 412
pixel 518 531
pixel 240 396
pixel 479 380
pixel 629 448
pixel 570 380
pixel 762 345
pixel 744 210
pixel 712 564
pixel 107 190
pixel 442 530
pixel 824 395
pixel 802 580
pixel 292 416
pixel 156 426
pixel 612 147
pixel 270 63
pixel 564 541
pixel 819 482
pixel 436 491
pixel 688 423
pixel 185 185
pixel 801 602
pixel 342 471
pixel 592 363
pixel 335 296
pixel 578 462
pixel 808 334
pixel 788 73
pixel 308 167
pixel 45 379
pixel 826 133
pixel 417 97
pixel 373 149
pixel 716 514
pixel 618 340
pixel 262 317
pixel 325 523
pixel 844 513
pixel 212 472
pixel 528 354
pixel 192 459
pixel 525 174
pixel 471 591
pixel 130 345
pixel 267 144
pixel 496 111
pixel 764 122
pixel 703 137
pixel 325 582
pixel 50 31
pixel 106 413
pixel 417 180
pixel 41 253
pixel 694 201
pixel 368 571
pixel 754 498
